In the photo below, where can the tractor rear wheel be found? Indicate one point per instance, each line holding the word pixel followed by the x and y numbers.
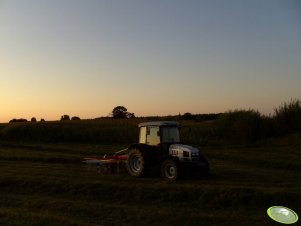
pixel 170 170
pixel 136 163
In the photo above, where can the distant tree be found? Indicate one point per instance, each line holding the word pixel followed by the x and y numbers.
pixel 207 117
pixel 42 120
pixel 188 116
pixel 65 118
pixel 75 118
pixel 130 115
pixel 33 119
pixel 119 112
pixel 18 120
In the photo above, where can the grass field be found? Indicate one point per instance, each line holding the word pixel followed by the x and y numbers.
pixel 48 185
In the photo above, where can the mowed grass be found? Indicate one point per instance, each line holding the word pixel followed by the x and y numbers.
pixel 48 185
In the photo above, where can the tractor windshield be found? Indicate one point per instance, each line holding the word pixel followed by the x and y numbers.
pixel 170 135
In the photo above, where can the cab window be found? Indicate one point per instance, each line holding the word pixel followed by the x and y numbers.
pixel 170 135
pixel 142 137
pixel 153 135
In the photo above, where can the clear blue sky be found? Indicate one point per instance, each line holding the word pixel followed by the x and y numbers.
pixel 155 57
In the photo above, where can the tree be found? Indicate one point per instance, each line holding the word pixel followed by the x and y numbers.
pixel 75 118
pixel 188 116
pixel 119 112
pixel 33 119
pixel 130 115
pixel 42 120
pixel 65 118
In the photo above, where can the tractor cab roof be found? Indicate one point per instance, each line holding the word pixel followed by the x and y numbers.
pixel 159 123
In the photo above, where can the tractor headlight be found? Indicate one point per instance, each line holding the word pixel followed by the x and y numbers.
pixel 185 154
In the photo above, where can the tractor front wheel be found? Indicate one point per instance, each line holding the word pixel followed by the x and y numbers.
pixel 170 170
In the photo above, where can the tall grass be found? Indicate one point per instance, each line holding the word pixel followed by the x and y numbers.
pixel 87 131
pixel 288 117
pixel 240 126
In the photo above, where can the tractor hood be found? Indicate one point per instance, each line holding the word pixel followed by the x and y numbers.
pixel 184 152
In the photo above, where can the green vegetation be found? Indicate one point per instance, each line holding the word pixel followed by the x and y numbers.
pixel 288 117
pixel 233 127
pixel 106 131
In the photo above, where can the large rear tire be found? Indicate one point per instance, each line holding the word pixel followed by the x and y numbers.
pixel 170 170
pixel 135 163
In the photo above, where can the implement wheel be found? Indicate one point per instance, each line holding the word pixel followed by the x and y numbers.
pixel 135 163
pixel 170 170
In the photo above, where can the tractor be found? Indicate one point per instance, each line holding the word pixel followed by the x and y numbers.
pixel 158 151
pixel 160 148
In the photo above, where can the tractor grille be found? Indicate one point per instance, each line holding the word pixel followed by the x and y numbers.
pixel 195 157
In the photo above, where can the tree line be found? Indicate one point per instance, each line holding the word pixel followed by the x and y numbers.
pixel 121 112
pixel 118 112
pixel 285 117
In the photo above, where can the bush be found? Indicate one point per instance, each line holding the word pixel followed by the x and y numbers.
pixel 288 117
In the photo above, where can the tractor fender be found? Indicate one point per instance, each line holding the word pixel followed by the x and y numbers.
pixel 174 158
pixel 141 147
pixel 144 149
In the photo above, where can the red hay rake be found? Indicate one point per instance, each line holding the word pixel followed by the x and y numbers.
pixel 108 164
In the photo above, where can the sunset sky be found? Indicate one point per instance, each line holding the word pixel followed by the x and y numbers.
pixel 155 57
